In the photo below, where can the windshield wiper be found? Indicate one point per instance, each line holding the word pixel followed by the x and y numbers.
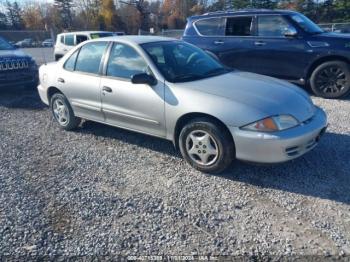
pixel 217 71
pixel 187 77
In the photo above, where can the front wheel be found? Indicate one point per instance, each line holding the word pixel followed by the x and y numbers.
pixel 63 112
pixel 331 80
pixel 206 146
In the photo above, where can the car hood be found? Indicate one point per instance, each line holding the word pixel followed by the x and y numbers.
pixel 15 53
pixel 266 94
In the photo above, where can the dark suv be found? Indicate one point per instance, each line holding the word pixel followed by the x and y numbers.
pixel 16 68
pixel 283 44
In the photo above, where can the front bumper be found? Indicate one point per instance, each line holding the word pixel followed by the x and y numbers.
pixel 43 94
pixel 19 78
pixel 280 146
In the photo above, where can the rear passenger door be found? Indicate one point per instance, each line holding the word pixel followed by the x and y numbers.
pixel 79 80
pixel 209 31
pixel 237 44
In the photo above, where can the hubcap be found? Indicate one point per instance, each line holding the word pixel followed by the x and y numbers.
pixel 331 80
pixel 202 147
pixel 60 112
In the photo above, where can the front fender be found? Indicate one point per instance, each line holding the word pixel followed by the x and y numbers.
pixel 181 101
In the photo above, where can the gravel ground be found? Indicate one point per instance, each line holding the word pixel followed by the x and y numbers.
pixel 105 191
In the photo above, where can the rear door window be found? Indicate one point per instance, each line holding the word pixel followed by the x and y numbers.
pixel 69 40
pixel 210 27
pixel 89 58
pixel 239 26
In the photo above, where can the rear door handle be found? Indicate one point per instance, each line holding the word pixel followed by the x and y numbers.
pixel 107 89
pixel 61 80
pixel 219 42
pixel 259 43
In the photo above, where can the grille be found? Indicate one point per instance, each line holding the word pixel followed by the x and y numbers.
pixel 13 64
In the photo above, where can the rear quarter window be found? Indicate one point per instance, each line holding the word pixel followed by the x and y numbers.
pixel 210 26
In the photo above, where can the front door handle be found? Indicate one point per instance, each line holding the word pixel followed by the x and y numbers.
pixel 61 80
pixel 107 89
pixel 259 43
pixel 219 42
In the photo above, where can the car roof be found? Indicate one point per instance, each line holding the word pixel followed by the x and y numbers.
pixel 242 12
pixel 85 32
pixel 136 39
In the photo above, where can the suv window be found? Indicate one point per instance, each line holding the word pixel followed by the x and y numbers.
pixel 210 26
pixel 62 39
pixel 70 63
pixel 274 25
pixel 89 58
pixel 239 26
pixel 81 38
pixel 69 40
pixel 125 62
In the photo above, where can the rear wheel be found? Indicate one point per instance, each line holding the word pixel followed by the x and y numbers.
pixel 331 80
pixel 206 146
pixel 63 112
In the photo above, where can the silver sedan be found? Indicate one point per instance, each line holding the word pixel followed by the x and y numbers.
pixel 170 89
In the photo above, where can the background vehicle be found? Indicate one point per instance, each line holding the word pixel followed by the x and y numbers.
pixel 66 41
pixel 173 90
pixel 47 43
pixel 16 67
pixel 28 42
pixel 283 44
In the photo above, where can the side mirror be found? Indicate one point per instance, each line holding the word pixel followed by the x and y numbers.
pixel 143 78
pixel 291 32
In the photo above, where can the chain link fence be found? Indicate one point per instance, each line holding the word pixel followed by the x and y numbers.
pixel 336 27
pixel 27 39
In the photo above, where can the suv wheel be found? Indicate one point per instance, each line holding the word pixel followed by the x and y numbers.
pixel 206 146
pixel 63 112
pixel 331 80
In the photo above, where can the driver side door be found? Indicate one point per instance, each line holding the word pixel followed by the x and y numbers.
pixel 138 107
pixel 278 55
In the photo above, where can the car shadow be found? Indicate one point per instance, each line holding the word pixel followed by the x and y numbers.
pixel 22 98
pixel 130 137
pixel 322 173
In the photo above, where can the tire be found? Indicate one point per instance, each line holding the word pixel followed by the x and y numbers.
pixel 201 137
pixel 63 112
pixel 331 80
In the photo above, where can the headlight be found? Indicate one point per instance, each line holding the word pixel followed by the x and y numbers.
pixel 272 124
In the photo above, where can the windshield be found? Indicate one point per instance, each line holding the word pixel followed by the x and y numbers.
pixel 306 24
pixel 181 62
pixel 99 35
pixel 4 45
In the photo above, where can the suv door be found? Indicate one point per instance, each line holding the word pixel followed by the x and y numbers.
pixel 278 50
pixel 79 79
pixel 237 45
pixel 208 31
pixel 132 106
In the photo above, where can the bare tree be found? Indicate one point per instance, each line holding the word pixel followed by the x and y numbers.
pixel 143 7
